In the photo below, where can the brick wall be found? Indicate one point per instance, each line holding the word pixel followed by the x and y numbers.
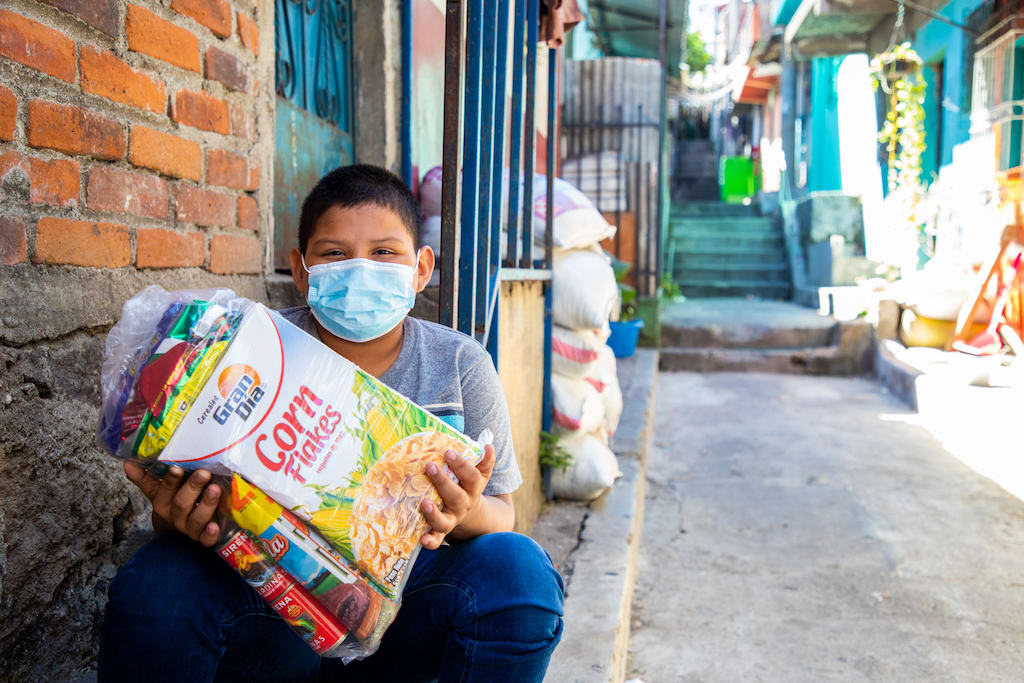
pixel 135 148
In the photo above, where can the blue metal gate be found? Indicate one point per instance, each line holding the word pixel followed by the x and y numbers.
pixel 477 72
pixel 314 106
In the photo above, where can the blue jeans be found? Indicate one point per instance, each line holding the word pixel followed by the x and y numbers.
pixel 489 609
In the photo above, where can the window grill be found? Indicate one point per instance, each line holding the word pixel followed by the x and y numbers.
pixel 997 100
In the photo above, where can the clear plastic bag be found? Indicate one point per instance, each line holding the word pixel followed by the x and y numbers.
pixel 324 464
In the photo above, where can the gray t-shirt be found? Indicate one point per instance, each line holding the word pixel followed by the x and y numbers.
pixel 452 376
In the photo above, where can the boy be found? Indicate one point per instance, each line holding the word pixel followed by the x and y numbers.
pixel 485 608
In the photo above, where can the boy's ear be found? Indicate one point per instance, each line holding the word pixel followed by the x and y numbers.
pixel 299 275
pixel 424 268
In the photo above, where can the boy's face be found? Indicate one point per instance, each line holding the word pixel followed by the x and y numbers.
pixel 368 231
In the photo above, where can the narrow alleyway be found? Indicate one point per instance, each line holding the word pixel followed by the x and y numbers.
pixel 799 529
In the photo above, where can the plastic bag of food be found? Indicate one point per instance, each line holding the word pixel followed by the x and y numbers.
pixel 592 470
pixel 320 457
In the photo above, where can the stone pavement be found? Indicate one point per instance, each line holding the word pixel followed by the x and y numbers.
pixel 801 529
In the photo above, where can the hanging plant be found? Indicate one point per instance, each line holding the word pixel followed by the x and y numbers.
pixel 898 73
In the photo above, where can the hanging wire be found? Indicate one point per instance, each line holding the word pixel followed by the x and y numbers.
pixel 897 28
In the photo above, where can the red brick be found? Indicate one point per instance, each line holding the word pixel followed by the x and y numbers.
pixel 74 130
pixel 54 182
pixel 226 69
pixel 248 213
pixel 149 34
pixel 241 123
pixel 165 153
pixel 82 243
pixel 169 249
pixel 37 46
pixel 235 254
pixel 254 178
pixel 105 75
pixel 213 14
pixel 248 32
pixel 199 110
pixel 12 241
pixel 8 113
pixel 226 169
pixel 9 160
pixel 111 189
pixel 204 207
pixel 100 14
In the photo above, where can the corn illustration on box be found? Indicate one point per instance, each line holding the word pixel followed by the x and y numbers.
pixel 210 380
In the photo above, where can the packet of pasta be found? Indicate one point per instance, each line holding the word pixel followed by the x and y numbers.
pixel 324 457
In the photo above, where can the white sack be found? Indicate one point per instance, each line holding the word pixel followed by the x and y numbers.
pixel 584 289
pixel 574 353
pixel 577 222
pixel 602 376
pixel 575 405
pixel 593 469
pixel 430 192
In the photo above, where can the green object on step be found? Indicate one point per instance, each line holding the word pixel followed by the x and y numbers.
pixel 737 180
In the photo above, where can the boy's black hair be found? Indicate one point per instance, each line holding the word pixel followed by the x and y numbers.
pixel 359 185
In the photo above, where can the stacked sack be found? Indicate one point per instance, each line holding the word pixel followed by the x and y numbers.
pixel 586 399
pixel 585 396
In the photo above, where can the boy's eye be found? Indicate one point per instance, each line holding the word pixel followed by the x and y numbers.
pixel 383 252
pixel 335 252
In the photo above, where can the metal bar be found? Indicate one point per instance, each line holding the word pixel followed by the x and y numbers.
pixel 620 192
pixel 510 274
pixel 407 93
pixel 549 232
pixel 516 136
pixel 497 179
pixel 662 118
pixel 610 124
pixel 549 215
pixel 470 169
pixel 529 132
pixel 450 189
pixel 485 197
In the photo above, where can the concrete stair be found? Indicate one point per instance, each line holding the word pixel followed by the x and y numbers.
pixel 727 250
pixel 740 335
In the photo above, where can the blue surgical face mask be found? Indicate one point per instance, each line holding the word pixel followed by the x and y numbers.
pixel 358 299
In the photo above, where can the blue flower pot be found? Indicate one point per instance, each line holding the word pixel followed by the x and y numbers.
pixel 624 337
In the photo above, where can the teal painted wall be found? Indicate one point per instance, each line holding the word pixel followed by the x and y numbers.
pixel 824 173
pixel 937 42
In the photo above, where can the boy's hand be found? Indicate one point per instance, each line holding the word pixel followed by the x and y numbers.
pixel 459 499
pixel 180 502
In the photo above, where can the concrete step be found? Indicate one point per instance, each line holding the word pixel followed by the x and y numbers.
pixel 711 257
pixel 721 288
pixel 735 225
pixel 733 273
pixel 594 545
pixel 698 242
pixel 747 336
pixel 744 324
pixel 712 208
pixel 813 361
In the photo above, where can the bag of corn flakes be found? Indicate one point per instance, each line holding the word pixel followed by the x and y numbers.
pixel 325 464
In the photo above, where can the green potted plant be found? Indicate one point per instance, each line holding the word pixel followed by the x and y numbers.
pixel 625 330
pixel 898 73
